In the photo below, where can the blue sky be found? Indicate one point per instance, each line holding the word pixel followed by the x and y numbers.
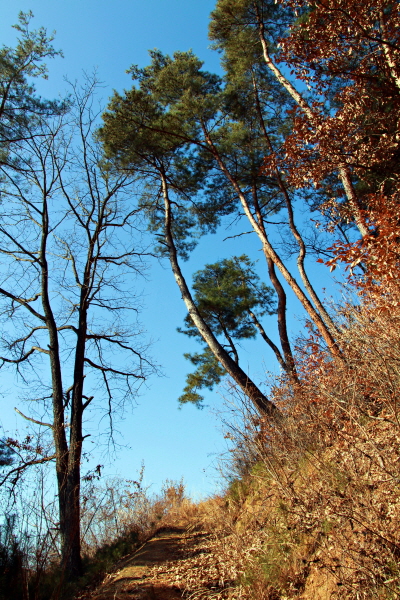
pixel 109 37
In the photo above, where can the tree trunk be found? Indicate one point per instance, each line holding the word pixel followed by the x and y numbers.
pixel 344 173
pixel 282 324
pixel 271 254
pixel 290 366
pixel 71 561
pixel 261 402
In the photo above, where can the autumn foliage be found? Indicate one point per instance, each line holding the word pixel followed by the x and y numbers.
pixel 320 490
pixel 347 55
pixel 308 112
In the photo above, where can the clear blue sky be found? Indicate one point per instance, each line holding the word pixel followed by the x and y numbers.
pixel 110 36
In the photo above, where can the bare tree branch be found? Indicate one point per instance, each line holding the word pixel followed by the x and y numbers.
pixel 111 370
pixel 24 302
pixel 33 420
pixel 29 463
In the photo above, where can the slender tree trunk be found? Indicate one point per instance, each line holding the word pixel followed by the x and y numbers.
pixel 271 254
pixel 268 340
pixel 290 366
pixel 282 323
pixel 261 402
pixel 344 173
pixel 295 232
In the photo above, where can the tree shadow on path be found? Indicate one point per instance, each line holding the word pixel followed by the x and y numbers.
pixel 140 575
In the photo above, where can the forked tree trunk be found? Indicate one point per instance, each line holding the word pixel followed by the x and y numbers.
pixel 67 458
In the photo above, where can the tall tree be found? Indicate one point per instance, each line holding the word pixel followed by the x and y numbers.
pixel 20 107
pixel 152 131
pixel 68 241
pixel 218 137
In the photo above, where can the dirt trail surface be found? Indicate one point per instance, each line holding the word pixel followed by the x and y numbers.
pixel 159 569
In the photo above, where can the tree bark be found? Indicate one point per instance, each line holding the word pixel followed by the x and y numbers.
pixel 271 254
pixel 261 402
pixel 344 173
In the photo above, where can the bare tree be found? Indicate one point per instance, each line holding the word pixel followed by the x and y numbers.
pixel 70 242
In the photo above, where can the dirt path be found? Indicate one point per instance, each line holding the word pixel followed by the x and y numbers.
pixel 153 571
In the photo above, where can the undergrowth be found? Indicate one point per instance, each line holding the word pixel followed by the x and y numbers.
pixel 312 508
pixel 118 518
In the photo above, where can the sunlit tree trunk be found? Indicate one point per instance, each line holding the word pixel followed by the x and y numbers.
pixel 261 402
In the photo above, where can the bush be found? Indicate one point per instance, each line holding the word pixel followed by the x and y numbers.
pixel 318 503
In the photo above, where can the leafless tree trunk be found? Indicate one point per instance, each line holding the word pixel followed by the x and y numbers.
pixel 67 242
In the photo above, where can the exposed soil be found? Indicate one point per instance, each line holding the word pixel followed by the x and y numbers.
pixel 154 571
pixel 180 562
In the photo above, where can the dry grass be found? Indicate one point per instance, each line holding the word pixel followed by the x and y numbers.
pixel 313 506
pixel 318 514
